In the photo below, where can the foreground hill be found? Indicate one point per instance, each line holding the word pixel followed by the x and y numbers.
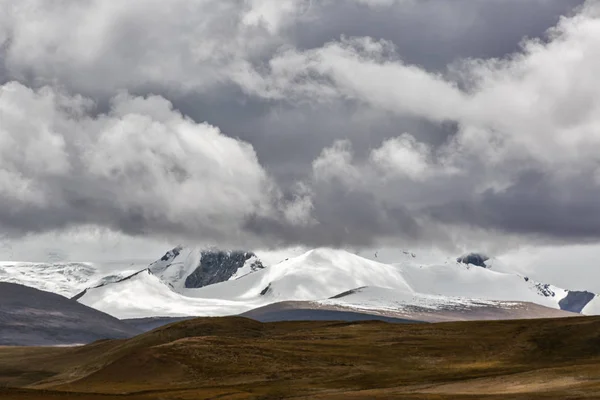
pixel 237 358
pixel 32 317
pixel 319 275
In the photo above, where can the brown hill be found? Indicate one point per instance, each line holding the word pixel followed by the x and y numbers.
pixel 237 358
pixel 32 317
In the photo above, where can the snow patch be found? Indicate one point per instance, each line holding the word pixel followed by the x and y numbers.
pixel 382 299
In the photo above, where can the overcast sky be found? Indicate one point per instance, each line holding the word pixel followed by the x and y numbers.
pixel 129 126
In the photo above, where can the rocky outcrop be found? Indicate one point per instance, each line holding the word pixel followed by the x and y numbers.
pixel 474 259
pixel 576 301
pixel 220 266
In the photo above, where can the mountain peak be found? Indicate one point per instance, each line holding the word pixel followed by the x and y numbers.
pixel 327 253
pixel 194 267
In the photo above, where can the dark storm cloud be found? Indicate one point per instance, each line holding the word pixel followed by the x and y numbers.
pixel 343 218
pixel 535 204
pixel 434 33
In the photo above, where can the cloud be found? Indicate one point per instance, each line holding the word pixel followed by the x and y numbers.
pixel 349 204
pixel 179 45
pixel 142 168
pixel 528 133
pixel 319 123
pixel 199 45
pixel 403 156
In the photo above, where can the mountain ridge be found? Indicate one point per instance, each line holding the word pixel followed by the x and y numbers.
pixel 192 281
pixel 322 273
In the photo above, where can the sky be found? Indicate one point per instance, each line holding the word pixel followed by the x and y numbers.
pixel 449 125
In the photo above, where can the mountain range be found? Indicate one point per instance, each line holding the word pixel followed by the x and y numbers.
pixel 188 281
pixel 319 284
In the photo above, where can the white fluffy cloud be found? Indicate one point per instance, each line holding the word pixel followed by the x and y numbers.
pixel 142 167
pixel 336 164
pixel 403 156
pixel 400 158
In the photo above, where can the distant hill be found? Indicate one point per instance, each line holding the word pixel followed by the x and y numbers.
pixel 33 317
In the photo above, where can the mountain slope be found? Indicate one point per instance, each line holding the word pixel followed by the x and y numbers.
pixel 476 282
pixel 33 317
pixel 378 302
pixel 317 274
pixel 144 295
pixel 435 308
pixel 66 279
pixel 63 278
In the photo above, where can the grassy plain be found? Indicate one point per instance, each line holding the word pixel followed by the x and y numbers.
pixel 238 358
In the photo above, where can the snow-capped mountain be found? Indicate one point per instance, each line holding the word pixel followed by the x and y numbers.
pixel 162 284
pixel 319 275
pixel 66 279
pixel 191 281
pixel 180 268
pixel 62 278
